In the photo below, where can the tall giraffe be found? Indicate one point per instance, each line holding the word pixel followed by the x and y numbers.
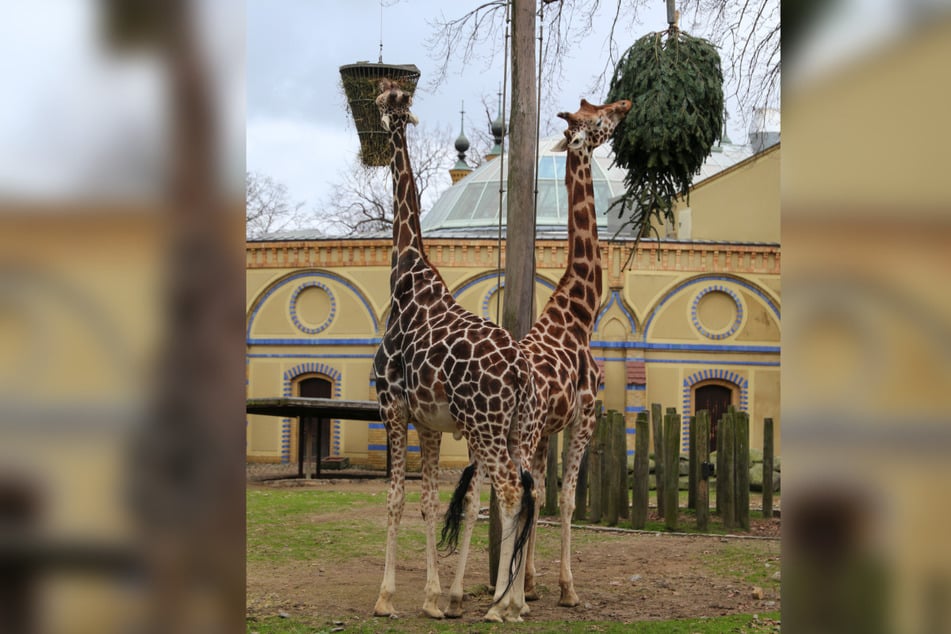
pixel 558 344
pixel 565 374
pixel 448 371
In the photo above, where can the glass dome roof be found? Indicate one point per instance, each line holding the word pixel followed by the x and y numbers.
pixel 471 206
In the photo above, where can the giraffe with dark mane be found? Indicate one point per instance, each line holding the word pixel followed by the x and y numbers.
pixel 447 370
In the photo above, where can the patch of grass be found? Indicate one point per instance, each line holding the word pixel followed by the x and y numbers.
pixel 295 524
pixel 739 623
pixel 742 563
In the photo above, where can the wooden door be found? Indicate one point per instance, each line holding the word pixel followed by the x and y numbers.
pixel 715 399
pixel 314 433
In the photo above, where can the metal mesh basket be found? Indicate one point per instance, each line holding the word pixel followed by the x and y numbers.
pixel 360 86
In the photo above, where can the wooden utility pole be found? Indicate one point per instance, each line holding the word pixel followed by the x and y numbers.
pixel 518 309
pixel 518 312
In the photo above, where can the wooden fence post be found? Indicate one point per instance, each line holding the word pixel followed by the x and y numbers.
pixel 657 425
pixel 581 490
pixel 768 468
pixel 671 468
pixel 692 468
pixel 611 479
pixel 624 481
pixel 742 431
pixel 702 440
pixel 641 471
pixel 595 468
pixel 720 469
pixel 726 479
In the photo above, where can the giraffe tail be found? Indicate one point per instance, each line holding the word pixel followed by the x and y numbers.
pixel 526 516
pixel 449 538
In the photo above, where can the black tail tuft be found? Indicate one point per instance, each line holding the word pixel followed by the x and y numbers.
pixel 449 538
pixel 527 516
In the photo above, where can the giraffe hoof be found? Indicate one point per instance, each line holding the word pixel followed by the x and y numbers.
pixel 433 612
pixel 493 616
pixel 383 607
pixel 455 609
pixel 569 600
pixel 531 595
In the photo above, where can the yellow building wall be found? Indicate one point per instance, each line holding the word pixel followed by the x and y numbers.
pixel 650 314
pixel 740 204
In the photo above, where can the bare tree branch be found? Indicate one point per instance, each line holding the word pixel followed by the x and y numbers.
pixel 747 33
pixel 361 201
pixel 267 206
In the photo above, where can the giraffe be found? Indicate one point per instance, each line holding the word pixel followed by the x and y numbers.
pixel 565 374
pixel 448 371
pixel 558 344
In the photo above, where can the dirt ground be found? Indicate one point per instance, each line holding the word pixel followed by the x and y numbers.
pixel 626 577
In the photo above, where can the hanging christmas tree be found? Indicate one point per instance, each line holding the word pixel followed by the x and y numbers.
pixel 675 83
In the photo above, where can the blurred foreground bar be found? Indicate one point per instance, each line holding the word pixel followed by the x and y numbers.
pixel 867 321
pixel 121 322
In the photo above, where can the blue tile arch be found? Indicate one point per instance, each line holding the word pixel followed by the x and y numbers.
pixel 317 275
pixel 312 367
pixel 732 328
pixel 705 375
pixel 292 308
pixel 500 284
pixel 615 298
pixel 487 300
pixel 707 279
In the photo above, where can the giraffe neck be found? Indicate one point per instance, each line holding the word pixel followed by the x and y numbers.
pixel 582 277
pixel 407 233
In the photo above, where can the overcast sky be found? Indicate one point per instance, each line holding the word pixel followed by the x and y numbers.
pixel 298 129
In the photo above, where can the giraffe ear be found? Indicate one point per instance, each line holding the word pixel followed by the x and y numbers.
pixel 560 146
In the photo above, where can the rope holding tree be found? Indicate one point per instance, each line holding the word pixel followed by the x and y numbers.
pixel 675 82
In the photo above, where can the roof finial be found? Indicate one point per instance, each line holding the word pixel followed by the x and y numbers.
pixel 380 60
pixel 461 168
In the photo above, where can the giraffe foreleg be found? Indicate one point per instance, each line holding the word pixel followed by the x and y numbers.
pixel 577 441
pixel 396 431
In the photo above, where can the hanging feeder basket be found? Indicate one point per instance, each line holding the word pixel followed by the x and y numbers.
pixel 360 86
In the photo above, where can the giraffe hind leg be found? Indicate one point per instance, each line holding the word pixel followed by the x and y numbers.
pixel 429 442
pixel 539 461
pixel 469 514
pixel 516 510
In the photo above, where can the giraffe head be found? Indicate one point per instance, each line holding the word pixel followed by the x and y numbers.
pixel 394 105
pixel 591 125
